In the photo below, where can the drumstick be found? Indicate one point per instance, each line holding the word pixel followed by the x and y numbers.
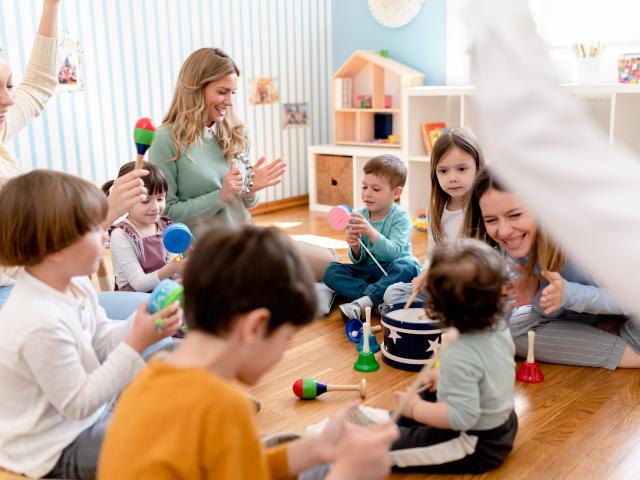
pixel 424 387
pixel 340 218
pixel 374 258
pixel 412 298
pixel 447 338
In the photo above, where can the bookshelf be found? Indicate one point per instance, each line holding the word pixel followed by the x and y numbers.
pixel 368 91
pixel 614 107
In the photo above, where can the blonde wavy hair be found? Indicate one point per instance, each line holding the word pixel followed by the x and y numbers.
pixel 187 113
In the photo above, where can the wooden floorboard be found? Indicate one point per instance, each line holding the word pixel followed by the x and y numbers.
pixel 580 423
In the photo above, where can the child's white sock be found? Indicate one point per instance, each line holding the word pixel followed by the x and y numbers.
pixel 364 302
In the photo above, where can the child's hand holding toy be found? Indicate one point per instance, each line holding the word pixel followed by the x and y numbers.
pixel 353 242
pixel 145 330
pixel 360 225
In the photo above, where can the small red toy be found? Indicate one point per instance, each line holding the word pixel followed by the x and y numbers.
pixel 529 371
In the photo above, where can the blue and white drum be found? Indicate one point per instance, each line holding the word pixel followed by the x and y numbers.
pixel 411 339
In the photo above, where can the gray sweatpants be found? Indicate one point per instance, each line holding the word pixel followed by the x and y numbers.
pixel 79 460
pixel 573 338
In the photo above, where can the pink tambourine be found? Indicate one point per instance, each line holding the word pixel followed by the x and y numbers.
pixel 339 217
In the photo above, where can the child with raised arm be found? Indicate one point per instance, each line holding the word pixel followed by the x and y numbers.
pixel 239 326
pixel 140 260
pixel 471 425
pixel 62 361
pixel 455 160
pixel 385 230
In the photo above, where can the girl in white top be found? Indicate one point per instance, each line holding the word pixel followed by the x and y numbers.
pixel 455 160
pixel 140 260
pixel 62 361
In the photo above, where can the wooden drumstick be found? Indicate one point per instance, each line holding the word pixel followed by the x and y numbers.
pixel 447 337
pixel 412 298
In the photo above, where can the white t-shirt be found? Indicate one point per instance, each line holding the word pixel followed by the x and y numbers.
pixel 451 222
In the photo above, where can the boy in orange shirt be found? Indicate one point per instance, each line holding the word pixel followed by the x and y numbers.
pixel 245 296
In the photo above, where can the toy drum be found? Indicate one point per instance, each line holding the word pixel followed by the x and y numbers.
pixel 165 293
pixel 411 339
pixel 177 238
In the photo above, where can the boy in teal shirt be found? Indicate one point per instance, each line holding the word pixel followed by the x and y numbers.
pixel 385 229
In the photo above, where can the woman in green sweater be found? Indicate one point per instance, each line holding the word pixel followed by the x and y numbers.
pixel 203 151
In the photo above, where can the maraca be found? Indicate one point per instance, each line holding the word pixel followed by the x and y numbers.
pixel 309 388
pixel 165 293
pixel 176 238
pixel 143 134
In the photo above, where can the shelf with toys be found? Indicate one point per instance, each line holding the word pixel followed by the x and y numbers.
pixel 368 99
pixel 368 102
pixel 613 106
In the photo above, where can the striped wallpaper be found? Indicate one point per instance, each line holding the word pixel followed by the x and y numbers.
pixel 132 52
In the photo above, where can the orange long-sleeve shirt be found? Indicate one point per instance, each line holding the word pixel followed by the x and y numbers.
pixel 185 423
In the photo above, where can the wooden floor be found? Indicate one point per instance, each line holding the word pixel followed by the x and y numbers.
pixel 580 423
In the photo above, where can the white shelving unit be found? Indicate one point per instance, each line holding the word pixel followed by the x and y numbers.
pixel 379 77
pixel 614 107
pixel 355 156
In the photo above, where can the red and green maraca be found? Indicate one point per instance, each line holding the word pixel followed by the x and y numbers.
pixel 143 135
pixel 309 388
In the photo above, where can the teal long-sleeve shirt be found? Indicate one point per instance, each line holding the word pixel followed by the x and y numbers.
pixel 194 183
pixel 394 237
pixel 477 377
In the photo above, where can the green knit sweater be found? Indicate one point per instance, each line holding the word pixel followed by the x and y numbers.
pixel 194 184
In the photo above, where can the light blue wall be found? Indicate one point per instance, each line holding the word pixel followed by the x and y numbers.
pixel 421 44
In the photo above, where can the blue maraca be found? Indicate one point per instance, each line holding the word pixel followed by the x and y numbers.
pixel 177 238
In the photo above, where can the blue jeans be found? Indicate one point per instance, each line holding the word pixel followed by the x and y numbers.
pixel 355 280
